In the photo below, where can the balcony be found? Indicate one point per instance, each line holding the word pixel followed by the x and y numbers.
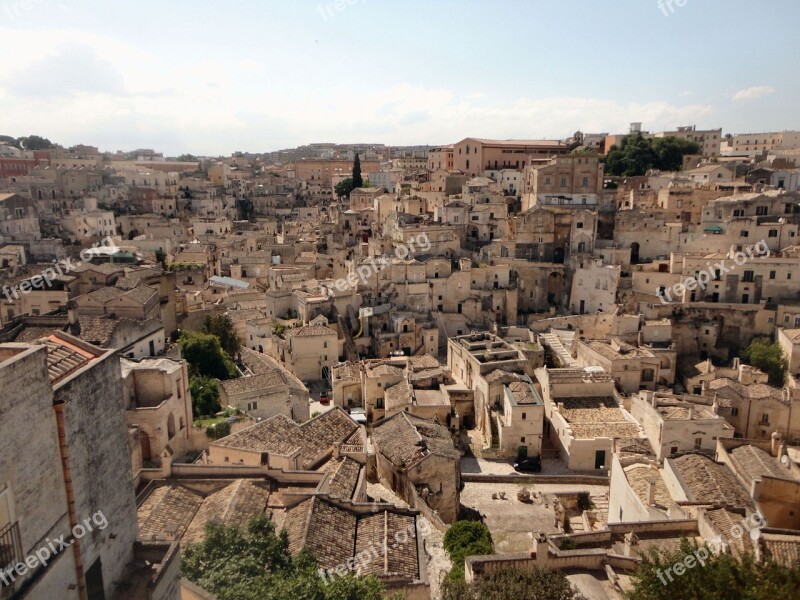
pixel 10 547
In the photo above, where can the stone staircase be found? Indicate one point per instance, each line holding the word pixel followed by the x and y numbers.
pixel 553 341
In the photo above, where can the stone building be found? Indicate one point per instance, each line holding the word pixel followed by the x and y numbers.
pixel 416 458
pixel 159 405
pixel 83 468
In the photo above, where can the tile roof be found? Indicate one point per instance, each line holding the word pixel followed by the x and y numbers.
pixel 335 533
pixel 639 475
pixel 310 331
pixel 725 520
pixel 167 512
pixel 523 393
pixel 342 478
pixel 708 481
pixel 398 395
pixel 406 439
pixel 235 504
pixel 784 548
pixel 596 417
pixel 64 358
pixel 97 330
pixel 755 462
pixel 280 435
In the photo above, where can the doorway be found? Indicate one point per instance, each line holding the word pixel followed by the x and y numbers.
pixel 600 459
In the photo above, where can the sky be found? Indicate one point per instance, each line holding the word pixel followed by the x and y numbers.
pixel 211 78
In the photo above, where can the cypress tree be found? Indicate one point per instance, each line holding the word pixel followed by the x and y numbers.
pixel 357 180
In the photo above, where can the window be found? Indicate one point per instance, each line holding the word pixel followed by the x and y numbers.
pixel 563 182
pixel 745 233
pixel 585 182
pixel 324 344
pixel 734 411
pixel 252 406
pixel 673 450
pixel 739 212
pixel 765 419
pixel 773 233
pixel 523 416
pixel 379 403
pixel 698 443
pixel 748 276
pixel 522 439
pixel 579 225
pixel 772 274
pixel 761 210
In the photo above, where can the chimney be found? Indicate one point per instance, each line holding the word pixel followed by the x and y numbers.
pixel 736 363
pixel 715 406
pixel 72 313
pixel 651 492
pixel 691 411
pixel 775 444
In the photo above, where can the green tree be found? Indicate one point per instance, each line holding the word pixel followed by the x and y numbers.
pixel 718 577
pixel 10 140
pixel 767 356
pixel 670 152
pixel 222 327
pixel 205 396
pixel 465 538
pixel 255 564
pixel 34 142
pixel 187 158
pixel 512 584
pixel 245 208
pixel 344 187
pixel 205 355
pixel 357 180
pixel 636 155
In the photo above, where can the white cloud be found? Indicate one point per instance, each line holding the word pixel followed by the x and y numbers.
pixel 121 97
pixel 752 93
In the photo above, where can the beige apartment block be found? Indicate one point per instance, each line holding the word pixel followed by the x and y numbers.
pixel 594 288
pixel 709 140
pixel 676 424
pixel 473 156
pixel 585 417
pixel 789 339
pixel 633 368
pixel 159 405
pixel 564 181
pixel 309 352
pixel 520 422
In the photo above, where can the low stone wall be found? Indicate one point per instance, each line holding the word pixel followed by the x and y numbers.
pixel 533 479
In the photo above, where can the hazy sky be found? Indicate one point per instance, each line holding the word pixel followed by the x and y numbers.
pixel 258 75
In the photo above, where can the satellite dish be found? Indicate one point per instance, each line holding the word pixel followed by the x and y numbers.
pixel 784 459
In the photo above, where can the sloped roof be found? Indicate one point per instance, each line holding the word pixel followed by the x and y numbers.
pixel 406 439
pixel 280 435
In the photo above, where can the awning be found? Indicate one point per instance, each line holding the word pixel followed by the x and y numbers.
pixel 714 229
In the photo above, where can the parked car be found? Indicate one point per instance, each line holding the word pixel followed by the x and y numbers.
pixel 532 464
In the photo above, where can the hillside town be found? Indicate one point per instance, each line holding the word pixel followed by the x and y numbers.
pixel 367 346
